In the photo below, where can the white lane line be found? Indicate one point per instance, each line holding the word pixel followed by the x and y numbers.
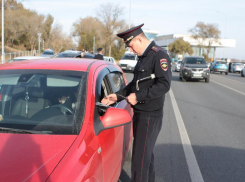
pixel 194 169
pixel 228 79
pixel 228 87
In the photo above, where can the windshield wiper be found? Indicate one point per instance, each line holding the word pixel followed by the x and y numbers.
pixel 12 130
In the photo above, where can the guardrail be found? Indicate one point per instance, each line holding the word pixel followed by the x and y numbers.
pixel 12 55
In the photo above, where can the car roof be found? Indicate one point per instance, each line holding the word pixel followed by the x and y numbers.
pixel 72 64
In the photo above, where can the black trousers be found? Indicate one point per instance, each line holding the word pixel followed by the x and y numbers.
pixel 146 130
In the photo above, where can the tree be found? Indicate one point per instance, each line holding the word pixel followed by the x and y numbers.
pixel 86 29
pixel 206 35
pixel 110 14
pixel 180 46
pixel 47 26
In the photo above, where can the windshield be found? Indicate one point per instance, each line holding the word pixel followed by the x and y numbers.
pixel 129 56
pixel 66 55
pixel 42 101
pixel 48 53
pixel 195 61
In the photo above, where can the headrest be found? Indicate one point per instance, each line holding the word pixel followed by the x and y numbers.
pixel 35 92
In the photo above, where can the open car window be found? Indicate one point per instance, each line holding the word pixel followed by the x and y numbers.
pixel 42 101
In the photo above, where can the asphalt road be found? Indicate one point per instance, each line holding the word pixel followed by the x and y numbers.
pixel 203 132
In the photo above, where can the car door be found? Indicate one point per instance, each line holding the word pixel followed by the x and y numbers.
pixel 110 140
pixel 117 83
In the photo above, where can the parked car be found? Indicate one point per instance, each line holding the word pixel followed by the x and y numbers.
pixel 128 61
pixel 194 68
pixel 48 53
pixel 22 58
pixel 243 72
pixel 177 66
pixel 219 66
pixel 236 67
pixel 76 140
pixel 73 54
pixel 110 59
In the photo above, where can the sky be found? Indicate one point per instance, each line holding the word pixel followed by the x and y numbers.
pixel 163 16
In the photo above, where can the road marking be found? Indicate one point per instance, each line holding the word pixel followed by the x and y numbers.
pixel 228 87
pixel 228 79
pixel 193 167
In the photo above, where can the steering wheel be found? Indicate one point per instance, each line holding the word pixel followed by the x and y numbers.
pixel 63 108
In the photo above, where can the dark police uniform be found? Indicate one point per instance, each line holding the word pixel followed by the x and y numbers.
pixel 148 112
pixel 99 56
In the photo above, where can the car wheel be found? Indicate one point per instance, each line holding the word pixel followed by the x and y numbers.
pixel 213 71
pixel 226 73
pixel 242 75
pixel 220 72
pixel 233 71
pixel 207 80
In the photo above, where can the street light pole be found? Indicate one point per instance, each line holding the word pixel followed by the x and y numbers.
pixel 225 30
pixel 39 40
pixel 129 14
pixel 3 54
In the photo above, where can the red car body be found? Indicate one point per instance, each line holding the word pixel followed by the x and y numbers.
pixel 95 154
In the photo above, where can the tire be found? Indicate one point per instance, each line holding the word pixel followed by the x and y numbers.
pixel 220 72
pixel 242 75
pixel 207 80
pixel 213 71
pixel 226 73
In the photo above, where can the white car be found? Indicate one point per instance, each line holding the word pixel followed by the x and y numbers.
pixel 243 72
pixel 237 67
pixel 177 65
pixel 128 61
pixel 21 58
pixel 110 59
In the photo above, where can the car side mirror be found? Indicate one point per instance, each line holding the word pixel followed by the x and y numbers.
pixel 115 117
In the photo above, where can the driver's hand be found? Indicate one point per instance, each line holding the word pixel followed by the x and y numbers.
pixel 109 99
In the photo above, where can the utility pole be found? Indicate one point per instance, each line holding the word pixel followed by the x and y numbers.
pixel 3 54
pixel 129 14
pixel 94 45
pixel 39 40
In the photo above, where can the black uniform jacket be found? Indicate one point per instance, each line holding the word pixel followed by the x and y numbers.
pixel 151 93
pixel 99 56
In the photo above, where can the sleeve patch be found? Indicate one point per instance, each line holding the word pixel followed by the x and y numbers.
pixel 156 49
pixel 164 64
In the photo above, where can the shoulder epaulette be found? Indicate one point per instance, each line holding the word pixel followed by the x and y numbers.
pixel 156 48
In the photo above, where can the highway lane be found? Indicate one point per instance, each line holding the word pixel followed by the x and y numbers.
pixel 214 117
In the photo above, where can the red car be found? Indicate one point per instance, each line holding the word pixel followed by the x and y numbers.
pixel 53 126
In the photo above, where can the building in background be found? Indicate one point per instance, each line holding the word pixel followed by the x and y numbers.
pixel 165 40
pixel 150 34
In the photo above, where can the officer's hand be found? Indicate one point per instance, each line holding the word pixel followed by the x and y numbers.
pixel 132 99
pixel 109 99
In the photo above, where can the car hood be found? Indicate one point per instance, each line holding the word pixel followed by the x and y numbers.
pixel 127 61
pixel 31 157
pixel 196 65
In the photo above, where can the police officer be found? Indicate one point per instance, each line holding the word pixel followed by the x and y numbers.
pixel 99 55
pixel 146 94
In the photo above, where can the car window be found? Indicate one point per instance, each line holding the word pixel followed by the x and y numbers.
pixel 117 81
pixel 42 101
pixel 128 56
pixel 195 61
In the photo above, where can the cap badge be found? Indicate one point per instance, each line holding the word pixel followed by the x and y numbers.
pixel 128 39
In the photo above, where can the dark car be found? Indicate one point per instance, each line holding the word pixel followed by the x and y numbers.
pixel 194 68
pixel 48 53
pixel 219 66
pixel 73 54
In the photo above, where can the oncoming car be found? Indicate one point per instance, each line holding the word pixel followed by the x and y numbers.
pixel 194 68
pixel 128 61
pixel 53 126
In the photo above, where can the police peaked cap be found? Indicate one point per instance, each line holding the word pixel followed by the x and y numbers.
pixel 129 34
pixel 99 49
